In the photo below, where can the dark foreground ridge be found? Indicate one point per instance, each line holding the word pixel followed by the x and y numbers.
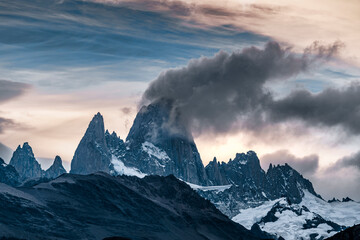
pixel 98 206
pixel 351 233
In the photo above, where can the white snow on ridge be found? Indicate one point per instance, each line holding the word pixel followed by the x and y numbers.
pixel 154 151
pixel 249 216
pixel 209 188
pixel 342 213
pixel 121 169
pixel 290 225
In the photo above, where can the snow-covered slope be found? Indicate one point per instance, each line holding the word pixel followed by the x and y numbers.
pixel 217 189
pixel 121 169
pixel 313 218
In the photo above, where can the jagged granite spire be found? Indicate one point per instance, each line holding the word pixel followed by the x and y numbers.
pixel 92 154
pixel 283 180
pixel 245 168
pixel 163 147
pixel 24 162
pixel 56 169
pixel 215 173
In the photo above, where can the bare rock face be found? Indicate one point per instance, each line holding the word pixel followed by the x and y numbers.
pixel 216 173
pixel 8 174
pixel 92 154
pixel 23 160
pixel 286 181
pixel 56 169
pixel 158 148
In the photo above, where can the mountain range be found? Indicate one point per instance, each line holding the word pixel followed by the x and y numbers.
pixel 279 201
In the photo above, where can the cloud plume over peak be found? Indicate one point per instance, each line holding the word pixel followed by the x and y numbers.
pixel 227 92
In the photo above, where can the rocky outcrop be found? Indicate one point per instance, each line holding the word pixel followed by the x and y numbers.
pixel 92 154
pixel 8 174
pixel 56 169
pixel 215 173
pixel 283 180
pixel 23 160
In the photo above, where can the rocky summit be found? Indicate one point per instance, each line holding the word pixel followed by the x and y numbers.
pixel 164 148
pixel 23 160
pixel 56 169
pixel 92 154
pixel 150 147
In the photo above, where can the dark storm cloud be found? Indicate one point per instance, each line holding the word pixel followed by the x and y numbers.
pixel 352 161
pixel 226 91
pixel 306 165
pixel 331 107
pixel 9 90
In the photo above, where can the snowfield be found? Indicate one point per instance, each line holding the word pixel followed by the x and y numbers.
pixel 290 224
pixel 249 216
pixel 121 169
pixel 209 188
pixel 154 151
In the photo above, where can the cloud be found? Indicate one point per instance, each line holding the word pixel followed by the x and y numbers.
pixel 226 92
pixel 351 161
pixel 5 152
pixel 9 89
pixel 6 124
pixel 331 107
pixel 126 110
pixel 305 165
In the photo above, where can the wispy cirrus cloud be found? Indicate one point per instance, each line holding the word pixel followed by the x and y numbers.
pixel 297 23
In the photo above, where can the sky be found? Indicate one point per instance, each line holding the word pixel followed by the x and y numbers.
pixel 277 77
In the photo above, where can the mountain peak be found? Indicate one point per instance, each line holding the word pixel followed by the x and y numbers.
pixel 23 160
pixel 157 129
pixel 56 169
pixel 92 154
pixel 287 181
pixel 57 161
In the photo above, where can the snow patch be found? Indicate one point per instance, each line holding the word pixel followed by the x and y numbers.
pixel 342 213
pixel 121 169
pixel 248 217
pixel 154 151
pixel 209 188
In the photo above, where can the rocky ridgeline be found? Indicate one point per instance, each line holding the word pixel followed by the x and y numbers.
pixel 152 147
pixel 23 166
pixel 251 185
